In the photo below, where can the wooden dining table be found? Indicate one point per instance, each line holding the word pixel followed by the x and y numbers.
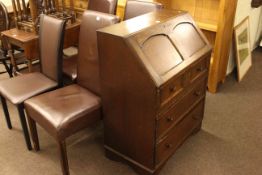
pixel 29 42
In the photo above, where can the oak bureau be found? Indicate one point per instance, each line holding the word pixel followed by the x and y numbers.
pixel 154 72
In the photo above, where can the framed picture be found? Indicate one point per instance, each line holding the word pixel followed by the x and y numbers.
pixel 242 46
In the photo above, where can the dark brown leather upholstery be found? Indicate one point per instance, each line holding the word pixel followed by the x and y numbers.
pixel 23 87
pixel 88 63
pixel 135 8
pixel 105 6
pixel 20 88
pixel 67 110
pixel 88 78
pixel 69 67
pixel 50 47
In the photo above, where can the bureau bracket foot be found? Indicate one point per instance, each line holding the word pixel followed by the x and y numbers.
pixel 197 129
pixel 138 168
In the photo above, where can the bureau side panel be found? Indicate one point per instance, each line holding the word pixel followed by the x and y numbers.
pixel 129 101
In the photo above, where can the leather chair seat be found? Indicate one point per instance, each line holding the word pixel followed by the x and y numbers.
pixel 64 111
pixel 70 67
pixel 20 88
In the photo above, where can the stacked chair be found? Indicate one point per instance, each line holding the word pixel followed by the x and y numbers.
pixel 70 109
pixel 136 8
pixel 105 6
pixel 20 88
pixel 22 15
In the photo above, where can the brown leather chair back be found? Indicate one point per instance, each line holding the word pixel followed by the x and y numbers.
pixel 88 63
pixel 136 8
pixel 51 47
pixel 4 20
pixel 105 6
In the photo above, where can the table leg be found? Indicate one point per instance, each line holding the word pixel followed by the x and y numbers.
pixel 12 58
pixel 29 64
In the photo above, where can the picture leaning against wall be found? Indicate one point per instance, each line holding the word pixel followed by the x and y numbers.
pixel 242 48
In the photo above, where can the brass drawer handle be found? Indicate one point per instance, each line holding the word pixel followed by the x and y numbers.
pixel 197 93
pixel 170 119
pixel 169 145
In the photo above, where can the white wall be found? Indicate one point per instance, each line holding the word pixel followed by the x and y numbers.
pixel 8 4
pixel 244 9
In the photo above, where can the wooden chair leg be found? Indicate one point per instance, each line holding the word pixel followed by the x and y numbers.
pixel 7 117
pixel 63 157
pixel 197 129
pixel 21 112
pixel 8 69
pixel 34 134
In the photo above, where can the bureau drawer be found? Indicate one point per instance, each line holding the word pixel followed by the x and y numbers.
pixel 198 69
pixel 177 111
pixel 172 89
pixel 179 133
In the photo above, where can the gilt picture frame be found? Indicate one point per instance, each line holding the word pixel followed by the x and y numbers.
pixel 242 48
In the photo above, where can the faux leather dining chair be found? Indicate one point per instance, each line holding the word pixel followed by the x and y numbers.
pixel 105 6
pixel 138 7
pixel 65 111
pixel 18 89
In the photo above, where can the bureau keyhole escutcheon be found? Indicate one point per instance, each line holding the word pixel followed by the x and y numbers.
pixel 172 89
pixel 197 93
pixel 200 69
